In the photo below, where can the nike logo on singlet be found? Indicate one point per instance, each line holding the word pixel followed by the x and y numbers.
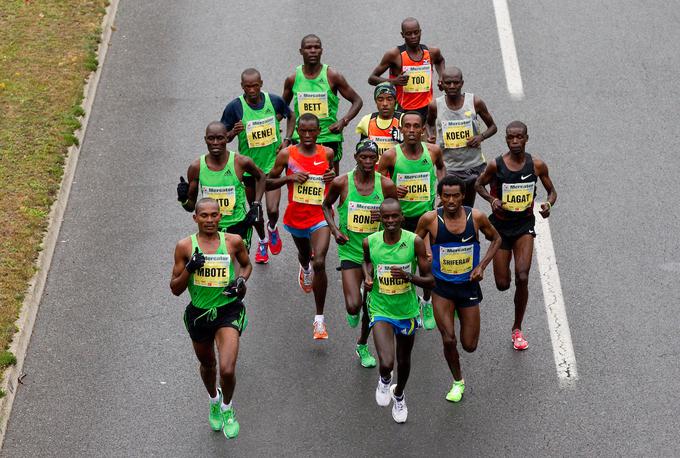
pixel 525 177
pixel 319 163
pixel 467 239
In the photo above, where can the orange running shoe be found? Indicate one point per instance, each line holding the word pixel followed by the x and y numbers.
pixel 518 341
pixel 320 332
pixel 305 280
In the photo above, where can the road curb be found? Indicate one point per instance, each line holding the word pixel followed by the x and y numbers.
pixel 36 286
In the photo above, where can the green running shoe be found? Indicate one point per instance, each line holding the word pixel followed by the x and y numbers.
pixel 428 315
pixel 367 360
pixel 231 426
pixel 215 417
pixel 352 320
pixel 457 390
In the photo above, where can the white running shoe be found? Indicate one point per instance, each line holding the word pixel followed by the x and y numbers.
pixel 382 394
pixel 399 409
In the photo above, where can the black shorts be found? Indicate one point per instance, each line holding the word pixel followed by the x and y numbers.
pixel 347 265
pixel 511 230
pixel 468 176
pixel 462 294
pixel 336 147
pixel 248 181
pixel 243 229
pixel 410 223
pixel 202 328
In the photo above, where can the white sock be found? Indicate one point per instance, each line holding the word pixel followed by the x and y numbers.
pixel 429 301
pixel 226 406
pixel 264 240
pixel 318 318
pixel 216 399
pixel 272 228
pixel 308 269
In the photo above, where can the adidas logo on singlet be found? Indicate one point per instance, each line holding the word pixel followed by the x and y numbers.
pixel 402 245
pixel 227 172
pixel 424 161
pixel 268 111
pixel 376 197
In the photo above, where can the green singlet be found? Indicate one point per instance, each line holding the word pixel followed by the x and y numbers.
pixel 355 218
pixel 315 96
pixel 260 137
pixel 225 187
pixel 390 297
pixel 421 180
pixel 208 282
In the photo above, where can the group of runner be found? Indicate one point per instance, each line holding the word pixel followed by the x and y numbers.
pixel 391 234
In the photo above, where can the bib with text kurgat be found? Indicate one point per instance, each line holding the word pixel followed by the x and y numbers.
pixel 418 185
pixel 457 132
pixel 315 103
pixel 309 192
pixel 224 195
pixel 359 217
pixel 518 197
pixel 455 260
pixel 215 271
pixel 261 132
pixel 389 285
pixel 419 78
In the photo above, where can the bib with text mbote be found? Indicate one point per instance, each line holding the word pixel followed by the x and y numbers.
pixel 315 103
pixel 215 271
pixel 261 132
pixel 309 192
pixel 224 195
pixel 518 197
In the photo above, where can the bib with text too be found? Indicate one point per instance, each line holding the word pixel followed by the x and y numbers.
pixel 359 217
pixel 457 132
pixel 389 285
pixel 418 185
pixel 261 132
pixel 315 103
pixel 309 192
pixel 419 78
pixel 215 271
pixel 224 195
pixel 518 197
pixel 455 260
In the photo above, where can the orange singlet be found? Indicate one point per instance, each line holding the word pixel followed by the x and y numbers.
pixel 304 199
pixel 418 91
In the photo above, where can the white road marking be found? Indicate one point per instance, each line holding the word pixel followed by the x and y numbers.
pixel 563 349
pixel 507 42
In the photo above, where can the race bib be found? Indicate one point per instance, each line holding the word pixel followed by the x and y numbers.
pixel 261 132
pixel 309 192
pixel 315 103
pixel 224 195
pixel 455 260
pixel 418 185
pixel 384 143
pixel 359 218
pixel 517 197
pixel 389 285
pixel 419 78
pixel 215 271
pixel 457 132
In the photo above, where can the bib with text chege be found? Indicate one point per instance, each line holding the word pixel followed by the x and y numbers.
pixel 419 78
pixel 418 185
pixel 359 217
pixel 215 271
pixel 311 191
pixel 517 197
pixel 315 103
pixel 457 132
pixel 390 285
pixel 456 260
pixel 224 195
pixel 261 132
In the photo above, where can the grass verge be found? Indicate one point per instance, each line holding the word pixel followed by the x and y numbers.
pixel 47 50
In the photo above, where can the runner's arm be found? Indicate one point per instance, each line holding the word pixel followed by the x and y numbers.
pixel 367 266
pixel 350 95
pixel 274 179
pixel 491 129
pixel 491 234
pixel 389 188
pixel 542 172
pixel 387 61
pixel 180 276
pixel 248 165
pixel 334 192
pixel 192 177
pixel 423 227
pixel 438 160
pixel 287 94
pixel 438 61
pixel 430 125
pixel 386 162
pixel 425 279
pixel 241 255
pixel 483 180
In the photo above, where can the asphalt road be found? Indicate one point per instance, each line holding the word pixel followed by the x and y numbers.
pixel 110 369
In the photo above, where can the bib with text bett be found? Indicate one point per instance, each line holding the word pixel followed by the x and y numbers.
pixel 315 103
pixel 419 78
pixel 224 195
pixel 517 197
pixel 456 260
pixel 418 185
pixel 457 132
pixel 215 272
pixel 311 191
pixel 261 132
pixel 389 285
pixel 359 217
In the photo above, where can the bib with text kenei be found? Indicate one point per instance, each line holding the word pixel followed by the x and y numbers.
pixel 359 217
pixel 224 195
pixel 261 132
pixel 418 185
pixel 456 260
pixel 457 132
pixel 419 78
pixel 309 192
pixel 315 103
pixel 390 285
pixel 215 271
pixel 517 197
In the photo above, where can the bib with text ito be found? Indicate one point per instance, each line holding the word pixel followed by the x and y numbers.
pixel 214 273
pixel 359 217
pixel 419 78
pixel 261 132
pixel 418 185
pixel 457 132
pixel 309 192
pixel 455 260
pixel 315 103
pixel 518 197
pixel 389 285
pixel 224 195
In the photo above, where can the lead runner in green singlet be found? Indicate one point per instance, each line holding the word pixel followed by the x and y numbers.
pixel 204 264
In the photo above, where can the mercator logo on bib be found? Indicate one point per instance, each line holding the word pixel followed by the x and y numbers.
pixel 384 143
pixel 390 285
pixel 419 78
pixel 418 185
pixel 215 271
pixel 457 132
pixel 359 218
pixel 315 103
pixel 261 132
pixel 455 260
pixel 518 197
pixel 224 195
pixel 309 192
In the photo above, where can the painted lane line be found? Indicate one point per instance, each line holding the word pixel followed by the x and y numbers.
pixel 508 50
pixel 563 349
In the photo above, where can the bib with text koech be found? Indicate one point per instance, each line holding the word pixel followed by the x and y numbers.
pixel 419 78
pixel 215 271
pixel 359 217
pixel 315 103
pixel 309 192
pixel 455 260
pixel 418 185
pixel 518 197
pixel 261 132
pixel 224 195
pixel 457 132
pixel 390 285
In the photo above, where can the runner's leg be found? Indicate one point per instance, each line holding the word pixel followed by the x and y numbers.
pixel 443 315
pixel 205 352
pixel 319 243
pixel 523 251
pixel 404 347
pixel 227 340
